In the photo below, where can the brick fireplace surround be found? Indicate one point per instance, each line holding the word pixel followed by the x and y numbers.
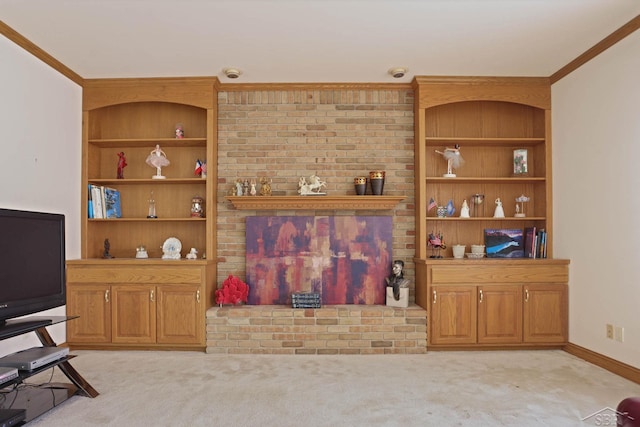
pixel 339 329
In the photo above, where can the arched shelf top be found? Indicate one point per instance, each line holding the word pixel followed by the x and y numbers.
pixel 530 91
pixel 195 92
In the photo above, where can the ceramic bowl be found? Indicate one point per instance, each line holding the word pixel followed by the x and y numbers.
pixel 475 256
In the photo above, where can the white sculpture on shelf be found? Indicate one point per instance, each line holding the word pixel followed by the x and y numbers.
pixel 157 159
pixel 453 158
pixel 312 187
pixel 193 254
pixel 141 252
pixel 464 210
pixel 499 212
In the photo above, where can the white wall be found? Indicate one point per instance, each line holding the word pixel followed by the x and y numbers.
pixel 596 178
pixel 41 122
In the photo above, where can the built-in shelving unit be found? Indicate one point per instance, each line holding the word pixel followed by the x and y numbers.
pixel 486 302
pixel 150 302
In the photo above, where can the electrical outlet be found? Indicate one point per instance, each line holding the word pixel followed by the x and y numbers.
pixel 619 332
pixel 609 331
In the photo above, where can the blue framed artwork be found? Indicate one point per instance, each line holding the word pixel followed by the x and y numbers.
pixel 503 243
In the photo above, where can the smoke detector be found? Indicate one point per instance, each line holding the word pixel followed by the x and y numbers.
pixel 398 72
pixel 232 73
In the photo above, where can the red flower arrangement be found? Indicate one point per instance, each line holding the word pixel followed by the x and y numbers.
pixel 234 291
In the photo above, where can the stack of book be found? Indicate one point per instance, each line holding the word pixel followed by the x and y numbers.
pixel 305 300
pixel 104 202
pixel 535 243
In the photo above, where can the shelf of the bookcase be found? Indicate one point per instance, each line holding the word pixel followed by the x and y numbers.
pixel 138 181
pixel 485 180
pixel 143 219
pixel 485 219
pixel 140 261
pixel 145 142
pixel 485 142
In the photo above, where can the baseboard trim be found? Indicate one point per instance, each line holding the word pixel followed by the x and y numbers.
pixel 626 371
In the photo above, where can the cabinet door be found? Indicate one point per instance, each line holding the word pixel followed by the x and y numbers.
pixel 453 315
pixel 134 314
pixel 180 315
pixel 545 313
pixel 500 314
pixel 93 304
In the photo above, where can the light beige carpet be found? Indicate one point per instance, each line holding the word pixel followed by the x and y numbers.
pixel 515 388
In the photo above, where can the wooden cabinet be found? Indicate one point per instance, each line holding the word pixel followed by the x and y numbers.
pixel 523 304
pixel 92 303
pixel 179 319
pixel 131 306
pixel 545 313
pixel 499 314
pixel 152 302
pixel 453 315
pixel 133 313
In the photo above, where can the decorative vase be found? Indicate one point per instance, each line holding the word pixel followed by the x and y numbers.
pixel 441 211
pixel 458 251
pixel 360 183
pixel 376 179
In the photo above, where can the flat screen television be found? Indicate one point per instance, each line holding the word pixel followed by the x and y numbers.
pixel 32 256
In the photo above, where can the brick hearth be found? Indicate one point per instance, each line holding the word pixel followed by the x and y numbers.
pixel 340 329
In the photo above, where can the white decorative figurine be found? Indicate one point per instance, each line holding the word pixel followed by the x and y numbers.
pixel 141 252
pixel 453 158
pixel 499 212
pixel 157 159
pixel 193 254
pixel 312 187
pixel 464 210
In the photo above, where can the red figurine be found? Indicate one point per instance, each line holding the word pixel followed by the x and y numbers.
pixel 122 163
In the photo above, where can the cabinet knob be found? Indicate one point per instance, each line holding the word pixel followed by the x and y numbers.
pixel 481 295
pixel 198 296
pixel 526 295
pixel 435 296
pixel 106 295
pixel 151 295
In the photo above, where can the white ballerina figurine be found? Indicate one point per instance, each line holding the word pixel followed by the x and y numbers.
pixel 157 159
pixel 453 158
pixel 499 212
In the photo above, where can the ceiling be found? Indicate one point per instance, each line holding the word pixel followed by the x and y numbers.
pixel 315 40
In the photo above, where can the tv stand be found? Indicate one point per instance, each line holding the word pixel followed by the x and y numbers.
pixel 38 400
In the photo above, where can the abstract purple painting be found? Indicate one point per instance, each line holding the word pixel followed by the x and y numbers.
pixel 343 258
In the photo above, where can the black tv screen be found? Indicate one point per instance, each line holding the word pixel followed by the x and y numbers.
pixel 32 256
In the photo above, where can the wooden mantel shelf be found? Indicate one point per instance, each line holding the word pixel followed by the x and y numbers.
pixel 315 202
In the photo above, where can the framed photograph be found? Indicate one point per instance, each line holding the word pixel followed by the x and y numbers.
pixel 504 243
pixel 520 165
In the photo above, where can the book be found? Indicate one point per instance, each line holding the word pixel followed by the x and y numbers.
pixel 90 203
pixel 503 243
pixel 112 205
pixel 541 250
pixel 530 242
pixel 97 197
